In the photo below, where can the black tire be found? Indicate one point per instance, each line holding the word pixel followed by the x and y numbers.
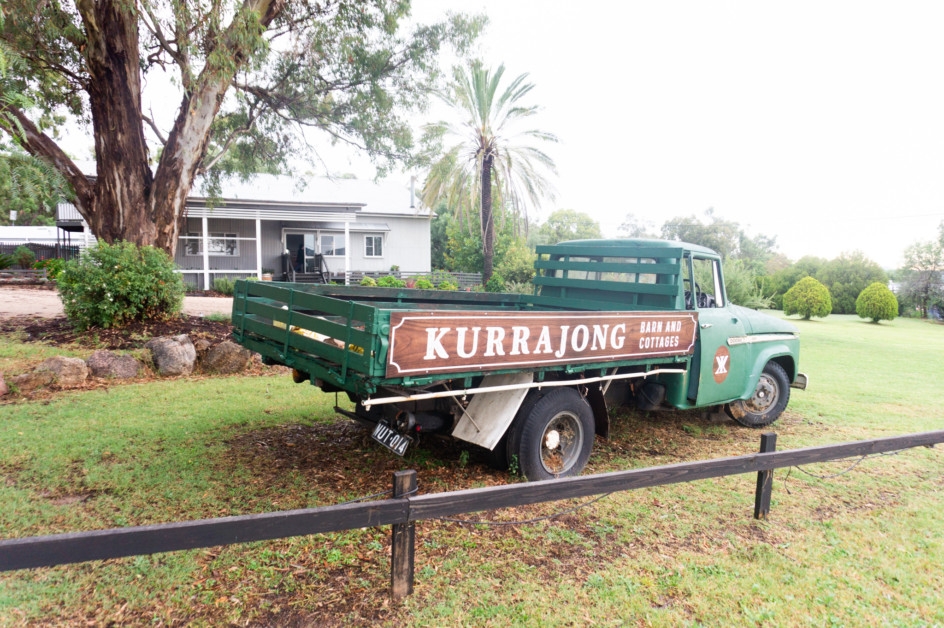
pixel 768 401
pixel 553 437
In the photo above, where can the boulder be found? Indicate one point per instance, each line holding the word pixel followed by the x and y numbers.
pixel 68 372
pixel 201 345
pixel 32 380
pixel 226 358
pixel 3 386
pixel 173 355
pixel 112 365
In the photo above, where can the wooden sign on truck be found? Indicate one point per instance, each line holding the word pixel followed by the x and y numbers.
pixel 456 342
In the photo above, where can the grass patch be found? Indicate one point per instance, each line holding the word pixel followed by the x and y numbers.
pixel 862 548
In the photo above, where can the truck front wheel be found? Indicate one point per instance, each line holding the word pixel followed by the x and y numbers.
pixel 552 437
pixel 768 401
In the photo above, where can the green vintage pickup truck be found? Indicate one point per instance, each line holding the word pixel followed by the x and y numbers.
pixel 532 378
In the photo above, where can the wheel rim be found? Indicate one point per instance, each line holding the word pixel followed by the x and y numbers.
pixel 765 395
pixel 561 443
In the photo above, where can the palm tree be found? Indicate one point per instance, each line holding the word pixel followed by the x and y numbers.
pixel 488 164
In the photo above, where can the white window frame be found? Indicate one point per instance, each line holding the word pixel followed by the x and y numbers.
pixel 367 247
pixel 220 244
pixel 321 247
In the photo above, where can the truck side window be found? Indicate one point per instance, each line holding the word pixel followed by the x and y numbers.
pixel 707 288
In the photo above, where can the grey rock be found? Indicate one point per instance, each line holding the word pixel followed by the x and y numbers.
pixel 3 386
pixel 68 372
pixel 112 365
pixel 32 380
pixel 173 355
pixel 226 358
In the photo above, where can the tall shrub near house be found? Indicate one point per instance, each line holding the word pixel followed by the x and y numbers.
pixel 877 302
pixel 111 285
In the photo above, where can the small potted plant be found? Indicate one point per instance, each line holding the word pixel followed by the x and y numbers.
pixel 267 274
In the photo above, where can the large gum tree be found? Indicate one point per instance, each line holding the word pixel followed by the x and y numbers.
pixel 173 89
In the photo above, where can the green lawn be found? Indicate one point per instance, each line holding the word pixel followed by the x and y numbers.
pixel 861 548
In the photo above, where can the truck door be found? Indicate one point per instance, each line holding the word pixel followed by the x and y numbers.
pixel 722 368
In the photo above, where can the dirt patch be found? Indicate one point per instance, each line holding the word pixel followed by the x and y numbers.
pixel 46 303
pixel 58 332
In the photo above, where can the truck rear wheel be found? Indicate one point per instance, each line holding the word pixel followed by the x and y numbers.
pixel 553 436
pixel 768 401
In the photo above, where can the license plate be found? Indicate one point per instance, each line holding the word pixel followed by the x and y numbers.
pixel 391 439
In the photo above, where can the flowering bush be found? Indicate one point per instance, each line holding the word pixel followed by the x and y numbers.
pixel 111 285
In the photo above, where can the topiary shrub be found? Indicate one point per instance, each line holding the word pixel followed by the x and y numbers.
pixel 368 282
pixel 389 281
pixel 23 257
pixel 807 298
pixel 877 302
pixel 111 285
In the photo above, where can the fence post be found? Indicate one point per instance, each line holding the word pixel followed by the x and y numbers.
pixel 402 540
pixel 765 478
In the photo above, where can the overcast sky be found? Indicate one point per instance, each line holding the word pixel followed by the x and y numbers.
pixel 821 123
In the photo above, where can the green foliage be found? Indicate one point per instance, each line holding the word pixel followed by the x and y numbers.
pixel 807 298
pixel 784 279
pixel 53 266
pixel 24 257
pixel 847 276
pixel 111 285
pixel 877 302
pixel 516 260
pixel 447 285
pixel 29 186
pixel 389 281
pixel 516 287
pixel 742 286
pixel 568 224
pixel 5 261
pixel 495 283
pixel 369 282
pixel 423 283
pixel 224 285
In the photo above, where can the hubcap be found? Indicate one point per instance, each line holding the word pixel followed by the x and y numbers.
pixel 561 443
pixel 765 395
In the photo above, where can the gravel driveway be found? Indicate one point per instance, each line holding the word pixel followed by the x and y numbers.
pixel 46 303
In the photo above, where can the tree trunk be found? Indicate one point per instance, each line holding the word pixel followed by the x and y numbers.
pixel 488 224
pixel 123 183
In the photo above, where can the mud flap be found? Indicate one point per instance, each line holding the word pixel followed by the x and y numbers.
pixel 489 414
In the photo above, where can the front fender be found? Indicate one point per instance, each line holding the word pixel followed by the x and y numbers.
pixel 784 351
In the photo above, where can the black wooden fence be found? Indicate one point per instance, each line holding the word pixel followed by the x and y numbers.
pixel 43 251
pixel 407 507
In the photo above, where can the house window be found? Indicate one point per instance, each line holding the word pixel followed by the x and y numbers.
pixel 332 245
pixel 218 244
pixel 373 246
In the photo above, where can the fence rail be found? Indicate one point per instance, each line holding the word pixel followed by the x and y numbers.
pixel 43 251
pixel 407 507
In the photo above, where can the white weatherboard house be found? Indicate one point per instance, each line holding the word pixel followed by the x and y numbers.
pixel 313 230
pixel 304 231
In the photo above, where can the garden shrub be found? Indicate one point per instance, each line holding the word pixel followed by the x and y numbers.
pixel 368 282
pixel 225 285
pixel 877 302
pixel 807 298
pixel 23 257
pixel 495 283
pixel 447 285
pixel 389 281
pixel 5 261
pixel 53 267
pixel 422 283
pixel 111 285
